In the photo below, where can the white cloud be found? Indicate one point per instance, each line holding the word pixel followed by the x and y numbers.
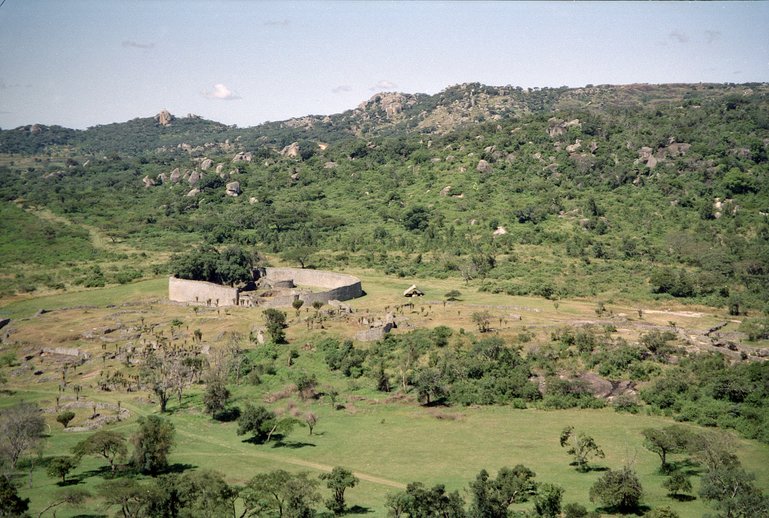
pixel 341 88
pixel 384 84
pixel 137 45
pixel 679 36
pixel 221 93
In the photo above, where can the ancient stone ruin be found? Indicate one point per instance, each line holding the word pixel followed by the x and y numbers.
pixel 272 287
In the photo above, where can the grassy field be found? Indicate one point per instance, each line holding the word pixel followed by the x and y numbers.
pixel 387 442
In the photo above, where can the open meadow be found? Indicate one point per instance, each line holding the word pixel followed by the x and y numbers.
pixel 388 439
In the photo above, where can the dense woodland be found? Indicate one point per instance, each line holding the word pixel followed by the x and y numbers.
pixel 638 193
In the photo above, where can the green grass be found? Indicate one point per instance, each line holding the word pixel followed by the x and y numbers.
pixel 96 297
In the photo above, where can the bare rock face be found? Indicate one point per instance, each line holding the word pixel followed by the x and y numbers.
pixel 573 148
pixel 329 165
pixel 164 118
pixel 219 168
pixel 392 103
pixel 176 175
pixel 163 178
pixel 291 151
pixel 194 178
pixel 500 231
pixel 148 182
pixel 445 191
pixel 194 192
pixel 233 189
pixel 206 164
pixel 483 167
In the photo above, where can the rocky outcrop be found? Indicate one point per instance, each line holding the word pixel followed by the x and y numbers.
pixel 483 167
pixel 148 182
pixel 329 165
pixel 206 164
pixel 194 178
pixel 291 151
pixel 243 156
pixel 194 192
pixel 164 118
pixel 499 231
pixel 176 175
pixel 233 189
pixel 445 191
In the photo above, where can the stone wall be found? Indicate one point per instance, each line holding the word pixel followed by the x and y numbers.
pixel 334 286
pixel 199 292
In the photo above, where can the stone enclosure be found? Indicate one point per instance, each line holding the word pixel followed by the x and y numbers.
pixel 274 287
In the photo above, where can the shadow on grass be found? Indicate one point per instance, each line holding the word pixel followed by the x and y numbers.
pixel 292 444
pixel 72 481
pixel 683 498
pixel 178 467
pixel 358 509
pixel 638 511
pixel 90 516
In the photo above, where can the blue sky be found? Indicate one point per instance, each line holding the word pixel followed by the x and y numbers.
pixel 79 63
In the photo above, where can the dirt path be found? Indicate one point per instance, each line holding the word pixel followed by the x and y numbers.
pixel 287 460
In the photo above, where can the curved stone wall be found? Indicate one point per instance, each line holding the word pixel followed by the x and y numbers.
pixel 334 286
pixel 200 292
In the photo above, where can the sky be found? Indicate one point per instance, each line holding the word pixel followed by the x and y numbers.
pixel 80 63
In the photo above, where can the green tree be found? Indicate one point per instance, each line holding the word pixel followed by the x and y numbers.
pixel 152 444
pixel 429 384
pixel 677 484
pixel 276 323
pixel 61 466
pixel 216 396
pixel 204 493
pixel 547 502
pixel 10 501
pixel 257 421
pixel 128 494
pixel 492 497
pixel 298 254
pixel 482 319
pixel 662 512
pixel 417 501
pixel 618 490
pixel 279 493
pixel 338 481
pixel 732 491
pixel 666 441
pixel 580 446
pixel 108 444
pixel 64 418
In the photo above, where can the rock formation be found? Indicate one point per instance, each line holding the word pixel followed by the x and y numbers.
pixel 291 151
pixel 164 118
pixel 233 189
pixel 483 167
pixel 243 156
pixel 206 164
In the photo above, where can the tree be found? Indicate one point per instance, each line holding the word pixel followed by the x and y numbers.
pixel 205 493
pixel 126 493
pixel 21 429
pixel 256 420
pixel 338 481
pixel 65 417
pixel 493 497
pixel 152 443
pixel 429 383
pixel 419 502
pixel 61 466
pixel 618 490
pixel 580 446
pixel 70 496
pixel 677 484
pixel 297 305
pixel 280 493
pixel 483 320
pixel 104 443
pixel 662 512
pixel 731 490
pixel 10 502
pixel 453 295
pixel 665 441
pixel 216 396
pixel 298 254
pixel 276 323
pixel 547 502
pixel 310 419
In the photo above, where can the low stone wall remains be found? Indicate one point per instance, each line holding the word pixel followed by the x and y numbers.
pixel 200 292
